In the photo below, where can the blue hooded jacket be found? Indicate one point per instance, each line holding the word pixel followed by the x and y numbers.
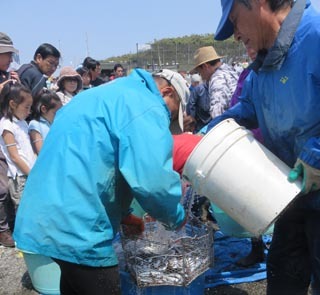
pixel 283 97
pixel 109 144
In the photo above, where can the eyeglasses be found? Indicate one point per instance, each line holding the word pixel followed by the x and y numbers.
pixel 52 64
pixel 71 79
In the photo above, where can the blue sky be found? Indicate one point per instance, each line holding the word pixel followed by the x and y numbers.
pixel 103 28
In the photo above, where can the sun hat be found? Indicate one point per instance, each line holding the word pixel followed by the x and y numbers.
pixel 225 27
pixel 180 85
pixel 69 72
pixel 203 55
pixel 6 44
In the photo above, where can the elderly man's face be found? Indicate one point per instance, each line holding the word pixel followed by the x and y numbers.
pixel 257 27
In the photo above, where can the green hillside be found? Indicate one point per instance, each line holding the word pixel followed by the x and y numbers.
pixel 176 53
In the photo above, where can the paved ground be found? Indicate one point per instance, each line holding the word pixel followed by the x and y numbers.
pixel 14 279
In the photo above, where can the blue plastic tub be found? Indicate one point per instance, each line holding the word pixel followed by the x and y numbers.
pixel 44 273
pixel 137 210
pixel 229 227
pixel 128 287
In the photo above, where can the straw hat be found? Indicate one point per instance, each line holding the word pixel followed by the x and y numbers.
pixel 203 55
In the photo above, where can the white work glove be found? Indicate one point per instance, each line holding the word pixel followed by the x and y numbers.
pixel 310 176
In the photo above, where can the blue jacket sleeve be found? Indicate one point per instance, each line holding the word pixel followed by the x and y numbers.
pixel 145 161
pixel 311 152
pixel 242 112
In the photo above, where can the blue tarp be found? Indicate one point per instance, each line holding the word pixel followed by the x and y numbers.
pixel 228 250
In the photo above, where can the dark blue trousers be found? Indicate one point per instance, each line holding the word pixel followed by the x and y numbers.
pixel 294 257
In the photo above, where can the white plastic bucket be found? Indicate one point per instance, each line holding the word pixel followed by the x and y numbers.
pixel 44 273
pixel 240 176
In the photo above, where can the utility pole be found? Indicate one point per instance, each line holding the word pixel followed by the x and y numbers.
pixel 137 45
pixel 159 57
pixel 176 53
pixel 152 62
pixel 87 45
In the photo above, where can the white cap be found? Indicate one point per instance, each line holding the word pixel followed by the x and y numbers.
pixel 181 86
pixel 195 78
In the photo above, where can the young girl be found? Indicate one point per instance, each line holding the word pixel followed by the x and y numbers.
pixel 45 106
pixel 15 105
pixel 69 84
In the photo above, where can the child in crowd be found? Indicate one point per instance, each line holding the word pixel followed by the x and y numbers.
pixel 46 104
pixel 15 105
pixel 85 76
pixel 69 84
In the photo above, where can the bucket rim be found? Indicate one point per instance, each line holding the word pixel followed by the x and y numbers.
pixel 205 137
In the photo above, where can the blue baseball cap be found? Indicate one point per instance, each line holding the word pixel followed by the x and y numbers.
pixel 225 27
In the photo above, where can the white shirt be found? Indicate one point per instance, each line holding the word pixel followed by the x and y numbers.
pixel 65 97
pixel 19 129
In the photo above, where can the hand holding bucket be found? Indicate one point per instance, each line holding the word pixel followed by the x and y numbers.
pixel 310 176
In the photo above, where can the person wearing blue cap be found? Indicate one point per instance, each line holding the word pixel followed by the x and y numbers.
pixel 282 98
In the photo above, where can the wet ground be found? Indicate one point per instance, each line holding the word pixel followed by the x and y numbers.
pixel 15 280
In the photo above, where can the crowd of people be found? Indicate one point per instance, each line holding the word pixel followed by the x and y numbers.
pixel 29 100
pixel 98 149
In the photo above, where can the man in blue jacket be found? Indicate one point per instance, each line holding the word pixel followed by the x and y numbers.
pixel 110 144
pixel 282 98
